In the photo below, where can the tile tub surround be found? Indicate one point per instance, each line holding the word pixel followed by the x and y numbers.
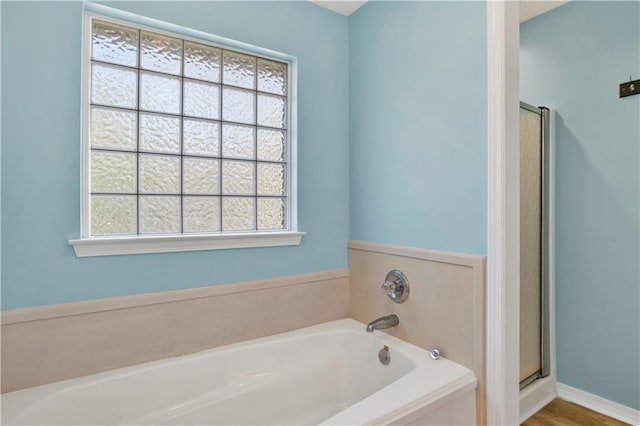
pixel 57 342
pixel 445 308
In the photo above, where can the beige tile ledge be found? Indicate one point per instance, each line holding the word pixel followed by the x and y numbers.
pixel 464 259
pixel 37 313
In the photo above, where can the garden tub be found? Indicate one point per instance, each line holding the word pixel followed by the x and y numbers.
pixel 325 374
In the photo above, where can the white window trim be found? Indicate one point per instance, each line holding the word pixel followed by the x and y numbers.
pixel 110 246
pixel 89 245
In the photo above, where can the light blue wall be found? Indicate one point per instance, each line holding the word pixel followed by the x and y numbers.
pixel 41 150
pixel 417 124
pixel 572 60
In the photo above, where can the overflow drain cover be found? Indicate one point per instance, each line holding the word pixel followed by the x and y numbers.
pixel 384 356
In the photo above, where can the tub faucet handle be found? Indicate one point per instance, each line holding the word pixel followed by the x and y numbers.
pixel 396 286
pixel 388 287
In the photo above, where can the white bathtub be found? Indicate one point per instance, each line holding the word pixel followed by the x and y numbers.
pixel 325 374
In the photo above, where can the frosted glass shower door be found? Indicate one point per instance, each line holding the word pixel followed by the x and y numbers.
pixel 532 243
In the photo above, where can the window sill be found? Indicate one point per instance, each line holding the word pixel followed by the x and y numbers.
pixel 112 246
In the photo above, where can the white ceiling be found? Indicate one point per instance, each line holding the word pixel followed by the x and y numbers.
pixel 532 8
pixel 528 8
pixel 344 7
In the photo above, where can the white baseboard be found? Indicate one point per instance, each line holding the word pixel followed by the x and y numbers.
pixel 537 395
pixel 599 404
pixel 529 411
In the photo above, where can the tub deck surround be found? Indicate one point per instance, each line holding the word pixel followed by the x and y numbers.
pixel 57 342
pixel 445 308
pixel 324 374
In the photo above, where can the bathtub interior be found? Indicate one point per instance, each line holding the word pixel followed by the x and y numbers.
pixel 296 379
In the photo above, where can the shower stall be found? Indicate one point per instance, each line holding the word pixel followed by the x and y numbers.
pixel 535 360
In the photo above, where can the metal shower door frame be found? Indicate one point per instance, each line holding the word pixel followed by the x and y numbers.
pixel 545 332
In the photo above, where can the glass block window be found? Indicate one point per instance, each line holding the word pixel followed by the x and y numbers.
pixel 184 136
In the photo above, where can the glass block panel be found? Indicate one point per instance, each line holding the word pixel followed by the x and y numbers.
pixel 200 176
pixel 159 215
pixel 113 129
pixel 114 86
pixel 159 133
pixel 272 111
pixel 201 214
pixel 238 214
pixel 238 106
pixel 201 99
pixel 271 145
pixel 238 141
pixel 202 62
pixel 200 137
pixel 272 77
pixel 114 43
pixel 271 179
pixel 159 174
pixel 113 214
pixel 271 213
pixel 238 178
pixel 159 93
pixel 239 70
pixel 113 172
pixel 160 53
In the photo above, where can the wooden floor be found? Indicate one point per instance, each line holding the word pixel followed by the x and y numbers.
pixel 562 413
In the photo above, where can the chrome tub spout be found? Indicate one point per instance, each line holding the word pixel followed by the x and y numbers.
pixel 381 323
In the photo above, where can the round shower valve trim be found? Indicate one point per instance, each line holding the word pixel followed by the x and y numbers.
pixel 396 286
